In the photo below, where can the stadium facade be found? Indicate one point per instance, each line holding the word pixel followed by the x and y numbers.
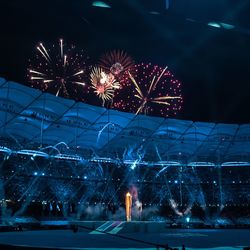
pixel 62 158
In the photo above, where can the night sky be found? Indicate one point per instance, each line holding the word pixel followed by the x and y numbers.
pixel 213 64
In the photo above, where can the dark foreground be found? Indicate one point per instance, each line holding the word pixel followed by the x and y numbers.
pixel 191 238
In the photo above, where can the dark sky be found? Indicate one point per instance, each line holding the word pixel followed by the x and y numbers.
pixel 213 64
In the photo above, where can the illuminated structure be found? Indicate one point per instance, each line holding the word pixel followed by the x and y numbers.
pixel 128 205
pixel 77 157
pixel 35 117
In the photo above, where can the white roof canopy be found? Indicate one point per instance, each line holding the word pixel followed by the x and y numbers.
pixel 29 116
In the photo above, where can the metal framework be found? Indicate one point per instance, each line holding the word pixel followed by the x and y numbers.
pixel 36 118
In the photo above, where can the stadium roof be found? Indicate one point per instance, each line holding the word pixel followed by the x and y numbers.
pixel 29 117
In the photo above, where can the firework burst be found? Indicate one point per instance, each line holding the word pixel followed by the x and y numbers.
pixel 104 84
pixel 59 69
pixel 150 90
pixel 116 62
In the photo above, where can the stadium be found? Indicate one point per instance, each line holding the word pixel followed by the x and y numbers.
pixel 66 160
pixel 116 153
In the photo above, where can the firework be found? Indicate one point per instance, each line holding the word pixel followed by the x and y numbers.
pixel 151 89
pixel 128 204
pixel 104 84
pixel 58 69
pixel 116 62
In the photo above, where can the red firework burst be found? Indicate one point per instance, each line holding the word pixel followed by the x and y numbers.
pixel 151 89
pixel 116 62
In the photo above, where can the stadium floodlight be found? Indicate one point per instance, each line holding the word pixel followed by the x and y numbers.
pixel 221 25
pixel 235 164
pixel 32 153
pixel 137 162
pixel 200 164
pixel 101 4
pixel 214 24
pixel 227 26
pixel 5 150
pixel 167 163
pixel 67 157
pixel 102 159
